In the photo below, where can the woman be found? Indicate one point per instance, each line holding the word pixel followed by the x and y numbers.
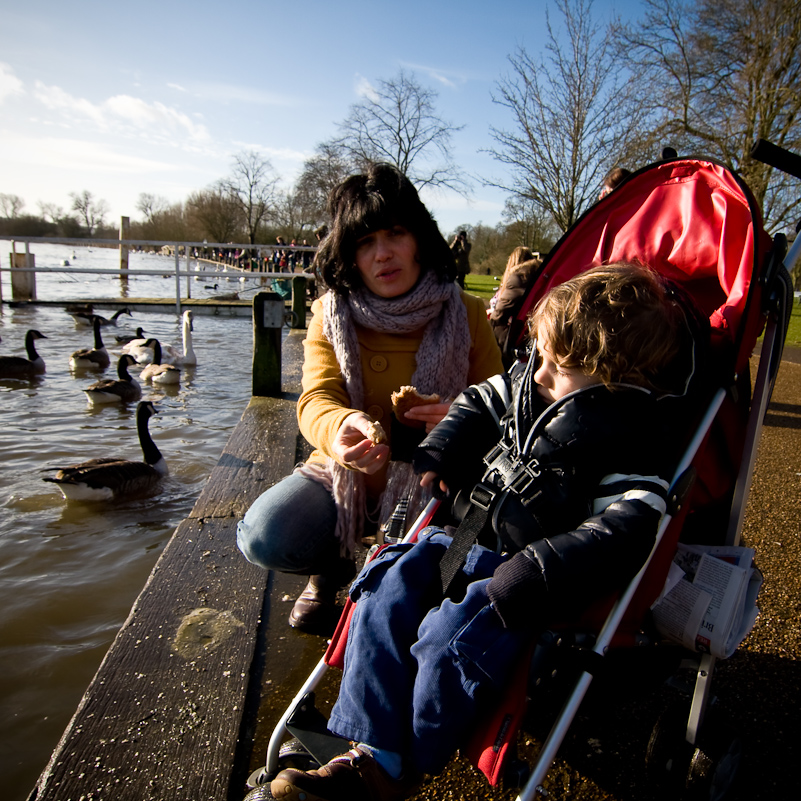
pixel 392 317
pixel 521 269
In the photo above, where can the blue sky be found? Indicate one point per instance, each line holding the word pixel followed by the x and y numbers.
pixel 157 97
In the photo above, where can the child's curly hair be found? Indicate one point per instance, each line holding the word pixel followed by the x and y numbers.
pixel 619 322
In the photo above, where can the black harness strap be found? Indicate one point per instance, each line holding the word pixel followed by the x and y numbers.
pixel 466 534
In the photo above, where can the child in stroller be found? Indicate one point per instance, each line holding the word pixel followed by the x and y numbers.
pixel 580 444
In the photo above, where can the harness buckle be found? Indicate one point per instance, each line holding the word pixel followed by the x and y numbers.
pixel 482 496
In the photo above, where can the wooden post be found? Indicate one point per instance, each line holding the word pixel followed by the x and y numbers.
pixel 268 319
pixel 125 232
pixel 298 302
pixel 23 284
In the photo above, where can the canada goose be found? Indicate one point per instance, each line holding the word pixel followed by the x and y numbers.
pixel 124 339
pixel 82 318
pixel 108 478
pixel 157 372
pixel 172 355
pixel 123 389
pixel 91 357
pixel 19 367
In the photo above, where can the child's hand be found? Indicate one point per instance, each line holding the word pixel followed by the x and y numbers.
pixel 353 447
pixel 428 478
pixel 430 414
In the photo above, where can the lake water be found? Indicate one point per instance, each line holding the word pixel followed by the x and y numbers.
pixel 69 573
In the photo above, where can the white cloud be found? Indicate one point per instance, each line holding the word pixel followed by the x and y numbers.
pixel 445 77
pixel 118 113
pixel 365 89
pixel 9 83
pixel 216 92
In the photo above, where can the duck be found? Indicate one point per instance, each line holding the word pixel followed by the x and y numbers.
pixel 211 286
pixel 96 357
pixel 18 366
pixel 124 339
pixel 107 478
pixel 84 318
pixel 172 355
pixel 122 389
pixel 157 372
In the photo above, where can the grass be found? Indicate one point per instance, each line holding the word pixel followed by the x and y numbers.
pixel 484 286
pixel 794 329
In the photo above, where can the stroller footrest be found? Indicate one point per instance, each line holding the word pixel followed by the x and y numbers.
pixel 308 724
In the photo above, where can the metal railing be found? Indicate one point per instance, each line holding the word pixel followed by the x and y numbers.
pixel 180 250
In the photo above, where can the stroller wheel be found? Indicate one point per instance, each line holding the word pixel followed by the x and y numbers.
pixel 293 754
pixel 703 773
pixel 668 754
pixel 261 793
pixel 714 767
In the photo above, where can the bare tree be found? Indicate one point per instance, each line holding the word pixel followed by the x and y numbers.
pixel 252 186
pixel 397 122
pixel 724 73
pixel 327 168
pixel 11 205
pixel 151 205
pixel 92 212
pixel 215 213
pixel 564 137
pixel 51 211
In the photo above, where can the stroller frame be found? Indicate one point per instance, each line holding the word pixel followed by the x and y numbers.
pixel 302 721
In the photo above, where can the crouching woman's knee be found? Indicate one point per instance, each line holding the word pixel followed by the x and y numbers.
pixel 287 525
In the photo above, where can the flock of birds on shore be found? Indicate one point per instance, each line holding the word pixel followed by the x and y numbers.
pixel 112 478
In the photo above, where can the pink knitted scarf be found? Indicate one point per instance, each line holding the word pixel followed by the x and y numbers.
pixel 442 363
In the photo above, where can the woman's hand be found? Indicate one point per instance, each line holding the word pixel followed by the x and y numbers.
pixel 353 447
pixel 430 414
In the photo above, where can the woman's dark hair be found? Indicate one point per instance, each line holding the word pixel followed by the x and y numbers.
pixel 379 198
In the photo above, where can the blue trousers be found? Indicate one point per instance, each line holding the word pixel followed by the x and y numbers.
pixel 290 528
pixel 417 668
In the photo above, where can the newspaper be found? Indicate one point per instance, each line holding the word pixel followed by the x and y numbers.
pixel 708 603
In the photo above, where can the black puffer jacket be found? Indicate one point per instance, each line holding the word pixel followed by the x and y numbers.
pixel 577 488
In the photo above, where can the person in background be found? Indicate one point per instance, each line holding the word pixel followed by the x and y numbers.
pixel 461 251
pixel 522 268
pixel 392 317
pixel 613 179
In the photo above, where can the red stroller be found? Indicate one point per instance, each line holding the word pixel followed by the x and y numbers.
pixel 697 224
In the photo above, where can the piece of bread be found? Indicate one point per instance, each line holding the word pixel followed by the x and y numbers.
pixel 377 433
pixel 406 398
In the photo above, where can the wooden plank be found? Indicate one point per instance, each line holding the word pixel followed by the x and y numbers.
pixel 164 715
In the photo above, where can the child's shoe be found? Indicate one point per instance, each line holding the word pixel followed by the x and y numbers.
pixel 354 776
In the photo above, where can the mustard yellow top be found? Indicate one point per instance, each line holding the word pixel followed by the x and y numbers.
pixel 388 363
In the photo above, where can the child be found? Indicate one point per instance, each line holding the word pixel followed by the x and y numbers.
pixel 565 505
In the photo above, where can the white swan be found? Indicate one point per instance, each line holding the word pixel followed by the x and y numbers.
pixel 20 367
pixel 171 355
pixel 111 478
pixel 123 389
pixel 96 357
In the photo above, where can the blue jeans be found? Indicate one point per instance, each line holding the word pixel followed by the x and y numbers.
pixel 290 528
pixel 417 667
